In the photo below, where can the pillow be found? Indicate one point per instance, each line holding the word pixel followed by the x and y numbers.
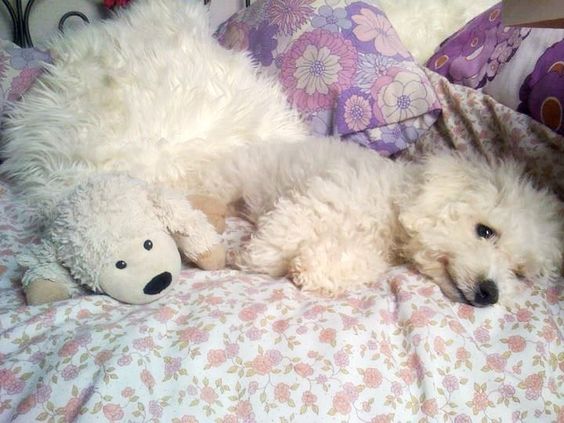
pixel 522 68
pixel 342 66
pixel 19 68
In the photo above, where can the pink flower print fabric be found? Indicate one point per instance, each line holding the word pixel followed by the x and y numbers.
pixel 233 347
pixel 342 66
pixel 19 68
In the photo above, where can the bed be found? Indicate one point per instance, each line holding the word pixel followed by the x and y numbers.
pixel 226 346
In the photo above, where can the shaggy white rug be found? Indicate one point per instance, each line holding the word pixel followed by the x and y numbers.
pixel 423 24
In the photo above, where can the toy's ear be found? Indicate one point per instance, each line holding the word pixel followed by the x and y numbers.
pixel 183 221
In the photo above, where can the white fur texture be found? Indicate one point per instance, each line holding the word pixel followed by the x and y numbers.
pixel 334 215
pixel 150 94
pixel 423 24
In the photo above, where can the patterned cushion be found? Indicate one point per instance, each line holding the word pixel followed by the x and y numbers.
pixel 19 68
pixel 522 68
pixel 342 66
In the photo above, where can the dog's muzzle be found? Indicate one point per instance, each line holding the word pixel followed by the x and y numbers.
pixel 158 284
pixel 486 294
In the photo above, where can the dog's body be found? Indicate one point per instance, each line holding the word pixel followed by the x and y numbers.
pixel 333 215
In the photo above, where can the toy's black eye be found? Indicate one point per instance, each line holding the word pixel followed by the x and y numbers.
pixel 121 264
pixel 147 245
pixel 484 231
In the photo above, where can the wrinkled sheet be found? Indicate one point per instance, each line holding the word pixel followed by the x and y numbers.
pixel 475 123
pixel 232 347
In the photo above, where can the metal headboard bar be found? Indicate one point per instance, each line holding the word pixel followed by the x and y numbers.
pixel 20 20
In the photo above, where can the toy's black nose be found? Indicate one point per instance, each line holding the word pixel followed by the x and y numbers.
pixel 158 284
pixel 487 293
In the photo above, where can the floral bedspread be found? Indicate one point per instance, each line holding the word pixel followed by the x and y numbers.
pixel 232 347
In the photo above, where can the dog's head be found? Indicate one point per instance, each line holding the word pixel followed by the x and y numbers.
pixel 479 229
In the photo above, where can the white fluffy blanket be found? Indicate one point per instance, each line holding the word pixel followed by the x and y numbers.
pixel 423 24
pixel 149 93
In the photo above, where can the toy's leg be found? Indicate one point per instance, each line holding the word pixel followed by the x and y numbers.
pixel 196 238
pixel 201 248
pixel 320 248
pixel 215 210
pixel 45 280
pixel 43 291
pixel 213 259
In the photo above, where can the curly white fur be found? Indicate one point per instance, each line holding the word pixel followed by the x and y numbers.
pixel 334 215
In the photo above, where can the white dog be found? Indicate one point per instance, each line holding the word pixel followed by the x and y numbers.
pixel 333 215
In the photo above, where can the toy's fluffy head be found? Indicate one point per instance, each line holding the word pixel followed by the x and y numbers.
pixel 479 229
pixel 110 237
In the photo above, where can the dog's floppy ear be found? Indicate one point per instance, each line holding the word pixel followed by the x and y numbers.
pixel 440 181
pixel 179 217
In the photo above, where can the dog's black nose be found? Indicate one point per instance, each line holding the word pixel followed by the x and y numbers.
pixel 487 293
pixel 158 284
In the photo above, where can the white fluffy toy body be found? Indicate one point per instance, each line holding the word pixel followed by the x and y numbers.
pixel 119 236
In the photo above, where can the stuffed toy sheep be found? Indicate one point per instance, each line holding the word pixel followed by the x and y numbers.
pixel 122 237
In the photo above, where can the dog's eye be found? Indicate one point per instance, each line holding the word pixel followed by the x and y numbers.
pixel 121 264
pixel 484 231
pixel 147 245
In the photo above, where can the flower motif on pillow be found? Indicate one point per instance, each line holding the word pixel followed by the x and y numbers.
pixel 289 15
pixel 236 36
pixel 542 92
pixel 354 111
pixel 262 42
pixel 23 58
pixel 317 64
pixel 22 82
pixel 402 98
pixel 19 68
pixel 340 63
pixel 331 19
pixel 375 27
pixel 475 54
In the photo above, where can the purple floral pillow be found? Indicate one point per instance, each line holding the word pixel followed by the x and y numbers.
pixel 542 93
pixel 520 67
pixel 19 68
pixel 342 66
pixel 475 53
